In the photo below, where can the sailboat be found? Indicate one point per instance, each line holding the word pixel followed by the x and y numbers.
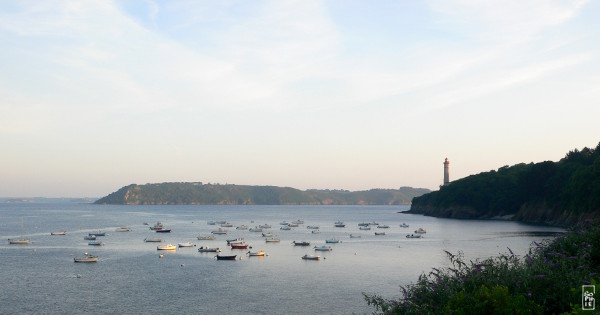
pixel 19 241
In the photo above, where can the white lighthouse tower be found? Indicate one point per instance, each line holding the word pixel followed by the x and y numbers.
pixel 446 172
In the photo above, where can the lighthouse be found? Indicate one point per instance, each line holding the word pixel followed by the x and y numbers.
pixel 446 172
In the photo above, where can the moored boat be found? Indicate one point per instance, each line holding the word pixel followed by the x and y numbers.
pixel 404 225
pixel 166 247
pixel 258 253
pixel 163 230
pixel 272 240
pixel 265 226
pixel 205 237
pixel 311 257
pixel 267 234
pixel 206 249
pixel 420 231
pixel 355 236
pixel 123 229
pixel 95 243
pixel 339 224
pixel 186 244
pixel 157 226
pixel 285 228
pixel 226 224
pixel 89 237
pixel 315 232
pixel 292 224
pixel 364 228
pixel 18 241
pixel 332 241
pixel 298 221
pixel 323 248
pixel 313 227
pixel 239 246
pixel 255 229
pixel 238 240
pixel 242 227
pixel 219 231
pixel 383 226
pixel 86 258
pixel 301 243
pixel 379 233
pixel 226 257
pixel 413 235
pixel 153 240
pixel 59 233
pixel 99 233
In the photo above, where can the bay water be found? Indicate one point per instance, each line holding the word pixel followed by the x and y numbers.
pixel 130 278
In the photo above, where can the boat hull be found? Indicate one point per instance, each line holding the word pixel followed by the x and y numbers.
pixel 226 257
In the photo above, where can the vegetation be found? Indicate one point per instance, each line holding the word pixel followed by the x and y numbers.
pixel 545 281
pixel 559 193
pixel 198 193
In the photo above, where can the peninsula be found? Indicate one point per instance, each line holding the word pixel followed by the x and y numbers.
pixel 197 193
pixel 559 193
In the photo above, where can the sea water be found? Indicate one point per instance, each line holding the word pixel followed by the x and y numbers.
pixel 130 278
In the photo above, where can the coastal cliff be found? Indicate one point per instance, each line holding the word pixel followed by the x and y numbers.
pixel 216 194
pixel 559 193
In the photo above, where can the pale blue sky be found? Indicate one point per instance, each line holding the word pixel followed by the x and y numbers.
pixel 95 95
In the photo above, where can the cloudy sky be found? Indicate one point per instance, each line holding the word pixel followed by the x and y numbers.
pixel 336 94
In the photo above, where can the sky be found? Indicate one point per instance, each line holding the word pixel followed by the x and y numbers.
pixel 332 94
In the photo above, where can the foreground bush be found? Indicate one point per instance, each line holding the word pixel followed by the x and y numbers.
pixel 545 281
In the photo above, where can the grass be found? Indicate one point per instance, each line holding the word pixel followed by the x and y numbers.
pixel 547 280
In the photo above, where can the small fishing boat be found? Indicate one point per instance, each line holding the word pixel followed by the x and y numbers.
pixel 283 223
pixel 323 248
pixel 315 232
pixel 166 247
pixel 413 235
pixel 211 222
pixel 339 224
pixel 153 240
pixel 99 233
pixel 298 221
pixel 383 226
pixel 313 227
pixel 186 244
pixel 219 231
pixel 226 257
pixel 363 224
pixel 206 249
pixel 267 234
pixel 265 226
pixel 157 226
pixel 272 240
pixel 95 243
pixel 221 222
pixel 163 231
pixel 364 228
pixel 404 225
pixel 302 243
pixel 58 233
pixel 285 228
pixel 238 240
pixel 123 229
pixel 258 253
pixel 205 237
pixel 86 258
pixel 420 231
pixel 89 237
pixel 227 224
pixel 332 241
pixel 242 227
pixel 355 236
pixel 379 233
pixel 239 246
pixel 311 257
pixel 293 224
pixel 255 229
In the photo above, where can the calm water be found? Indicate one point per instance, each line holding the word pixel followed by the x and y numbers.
pixel 130 278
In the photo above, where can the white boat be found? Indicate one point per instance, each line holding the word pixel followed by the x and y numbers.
pixel 89 237
pixel 313 227
pixel 379 233
pixel 292 224
pixel 226 224
pixel 260 253
pixel 153 240
pixel 364 228
pixel 221 222
pixel 19 241
pixel 242 227
pixel 86 258
pixel 205 237
pixel 383 226
pixel 186 244
pixel 272 240
pixel 211 222
pixel 95 243
pixel 283 223
pixel 332 241
pixel 157 226
pixel 256 229
pixel 265 226
pixel 323 248
pixel 413 235
pixel 123 229
pixel 238 240
pixel 404 225
pixel 219 231
pixel 285 228
pixel 420 231
pixel 206 249
pixel 166 247
pixel 355 236
pixel 311 257
pixel 59 233
pixel 315 232
pixel 339 224
pixel 298 221
pixel 267 234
